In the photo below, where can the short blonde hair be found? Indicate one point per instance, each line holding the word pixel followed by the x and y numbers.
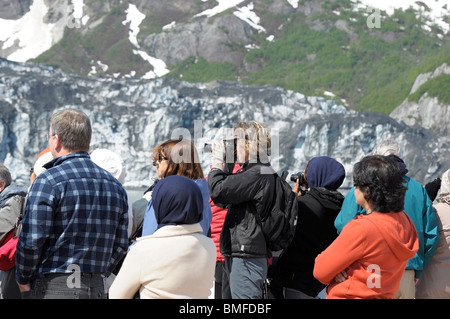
pixel 256 133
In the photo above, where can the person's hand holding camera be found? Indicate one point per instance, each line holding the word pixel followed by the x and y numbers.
pixel 297 189
pixel 217 154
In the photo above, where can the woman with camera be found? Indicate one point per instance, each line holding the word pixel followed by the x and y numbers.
pixel 319 205
pixel 246 193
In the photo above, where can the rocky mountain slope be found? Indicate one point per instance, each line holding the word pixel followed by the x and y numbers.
pixel 427 111
pixel 363 53
pixel 146 70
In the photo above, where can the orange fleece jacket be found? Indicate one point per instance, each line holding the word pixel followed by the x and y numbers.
pixel 373 249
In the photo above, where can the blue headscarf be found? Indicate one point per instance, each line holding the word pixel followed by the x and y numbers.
pixel 177 200
pixel 326 172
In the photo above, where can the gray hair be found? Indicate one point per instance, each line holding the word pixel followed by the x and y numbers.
pixel 73 128
pixel 5 174
pixel 387 147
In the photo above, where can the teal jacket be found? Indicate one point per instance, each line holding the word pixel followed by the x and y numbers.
pixel 418 207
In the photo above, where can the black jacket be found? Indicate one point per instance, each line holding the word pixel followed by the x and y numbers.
pixel 318 209
pixel 246 193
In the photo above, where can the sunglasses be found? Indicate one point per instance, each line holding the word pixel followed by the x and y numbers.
pixel 160 159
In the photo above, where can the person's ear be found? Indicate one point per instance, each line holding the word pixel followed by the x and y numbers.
pixel 2 185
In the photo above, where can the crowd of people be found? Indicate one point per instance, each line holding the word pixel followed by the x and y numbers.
pixel 197 235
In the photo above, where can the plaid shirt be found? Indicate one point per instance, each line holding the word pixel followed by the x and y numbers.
pixel 76 217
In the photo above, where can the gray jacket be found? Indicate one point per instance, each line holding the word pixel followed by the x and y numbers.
pixel 11 199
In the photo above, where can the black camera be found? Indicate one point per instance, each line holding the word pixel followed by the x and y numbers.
pixel 230 149
pixel 300 176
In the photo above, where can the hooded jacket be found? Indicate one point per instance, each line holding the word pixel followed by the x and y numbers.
pixel 318 208
pixel 315 232
pixel 419 208
pixel 373 250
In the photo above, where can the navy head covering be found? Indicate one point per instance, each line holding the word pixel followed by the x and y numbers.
pixel 177 200
pixel 400 162
pixel 326 172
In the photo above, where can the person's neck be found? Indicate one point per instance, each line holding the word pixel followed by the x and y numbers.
pixel 64 152
pixel 367 207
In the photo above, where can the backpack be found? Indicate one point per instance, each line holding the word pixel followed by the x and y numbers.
pixel 279 225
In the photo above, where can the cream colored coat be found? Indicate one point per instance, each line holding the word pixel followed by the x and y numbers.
pixel 434 282
pixel 176 262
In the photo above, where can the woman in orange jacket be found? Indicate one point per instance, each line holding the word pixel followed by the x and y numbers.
pixel 368 258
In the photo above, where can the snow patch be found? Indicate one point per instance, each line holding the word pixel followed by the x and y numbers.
pixel 222 6
pixel 247 15
pixel 135 18
pixel 30 32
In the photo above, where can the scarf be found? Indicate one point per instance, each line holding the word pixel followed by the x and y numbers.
pixel 177 200
pixel 326 172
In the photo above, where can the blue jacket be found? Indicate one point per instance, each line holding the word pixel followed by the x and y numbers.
pixel 150 225
pixel 419 207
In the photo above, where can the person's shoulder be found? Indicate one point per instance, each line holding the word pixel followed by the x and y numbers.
pixel 362 220
pixel 357 227
pixel 412 182
pixel 202 183
pixel 18 190
pixel 414 186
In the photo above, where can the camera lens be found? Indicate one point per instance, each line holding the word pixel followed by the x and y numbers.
pixel 294 177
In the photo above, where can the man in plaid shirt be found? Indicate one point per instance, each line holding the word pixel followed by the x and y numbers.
pixel 75 225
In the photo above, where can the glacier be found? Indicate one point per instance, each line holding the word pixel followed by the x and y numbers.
pixel 131 116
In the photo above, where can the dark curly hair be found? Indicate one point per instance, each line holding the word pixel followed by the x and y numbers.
pixel 382 180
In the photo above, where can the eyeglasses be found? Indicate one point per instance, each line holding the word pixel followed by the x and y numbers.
pixel 160 159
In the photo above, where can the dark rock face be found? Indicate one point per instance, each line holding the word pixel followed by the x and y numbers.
pixel 130 117
pixel 14 9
